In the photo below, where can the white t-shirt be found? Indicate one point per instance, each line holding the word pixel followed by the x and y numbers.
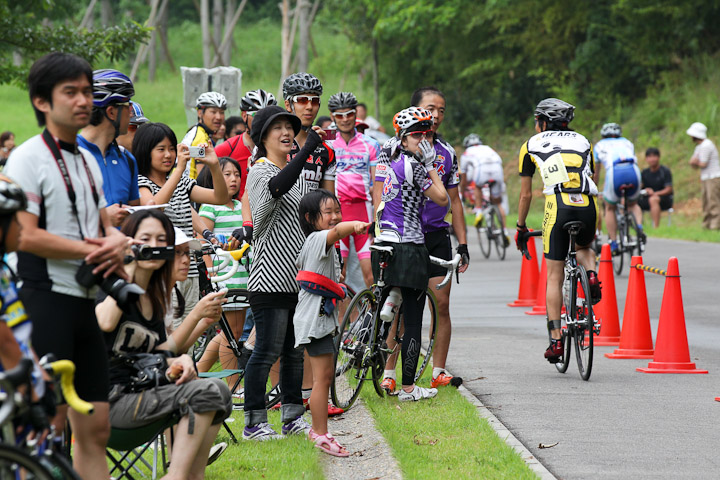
pixel 34 168
pixel 707 152
pixel 476 156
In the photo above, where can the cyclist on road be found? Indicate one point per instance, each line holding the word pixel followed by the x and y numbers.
pixel 356 156
pixel 617 154
pixel 480 163
pixel 405 175
pixel 565 161
pixel 66 222
pixel 112 91
pixel 211 108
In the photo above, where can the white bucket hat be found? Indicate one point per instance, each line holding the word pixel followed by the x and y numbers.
pixel 182 239
pixel 697 130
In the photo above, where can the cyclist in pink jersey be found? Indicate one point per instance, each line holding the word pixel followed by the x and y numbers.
pixel 356 158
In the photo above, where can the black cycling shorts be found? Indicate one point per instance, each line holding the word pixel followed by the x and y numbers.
pixel 438 245
pixel 560 209
pixel 66 326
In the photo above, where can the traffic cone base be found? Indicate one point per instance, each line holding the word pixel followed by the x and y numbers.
pixel 624 353
pixel 668 367
pixel 539 304
pixel 606 341
pixel 528 278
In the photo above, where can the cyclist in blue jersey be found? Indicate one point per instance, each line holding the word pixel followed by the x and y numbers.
pixel 617 154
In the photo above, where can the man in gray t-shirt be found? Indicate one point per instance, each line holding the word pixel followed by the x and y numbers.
pixel 706 158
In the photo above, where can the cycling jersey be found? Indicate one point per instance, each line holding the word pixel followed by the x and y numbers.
pixel 399 216
pixel 235 148
pixel 609 150
pixel 319 166
pixel 446 165
pixel 565 161
pixel 119 171
pixel 195 136
pixel 618 157
pixel 354 160
pixel 480 163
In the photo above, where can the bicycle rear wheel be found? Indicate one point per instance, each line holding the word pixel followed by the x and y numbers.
pixel 583 319
pixel 15 463
pixel 430 315
pixel 634 238
pixel 484 239
pixel 563 364
pixel 621 236
pixel 201 344
pixel 498 233
pixel 352 345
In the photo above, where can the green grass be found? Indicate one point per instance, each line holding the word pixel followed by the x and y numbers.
pixel 443 437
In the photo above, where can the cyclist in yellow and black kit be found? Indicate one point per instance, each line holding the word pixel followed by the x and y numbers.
pixel 566 165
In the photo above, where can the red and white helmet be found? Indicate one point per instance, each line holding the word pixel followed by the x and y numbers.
pixel 412 119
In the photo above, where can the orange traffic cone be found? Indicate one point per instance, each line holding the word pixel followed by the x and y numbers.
pixel 539 307
pixel 528 278
pixel 607 310
pixel 636 336
pixel 671 346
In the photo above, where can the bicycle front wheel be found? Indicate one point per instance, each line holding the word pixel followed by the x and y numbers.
pixel 498 233
pixel 483 233
pixel 583 320
pixel 15 463
pixel 430 316
pixel 352 344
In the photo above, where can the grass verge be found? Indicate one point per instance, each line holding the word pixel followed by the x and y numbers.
pixel 443 437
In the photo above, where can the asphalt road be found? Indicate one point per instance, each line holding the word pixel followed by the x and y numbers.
pixel 621 423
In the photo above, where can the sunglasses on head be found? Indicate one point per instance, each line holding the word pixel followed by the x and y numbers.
pixel 419 135
pixel 305 99
pixel 345 115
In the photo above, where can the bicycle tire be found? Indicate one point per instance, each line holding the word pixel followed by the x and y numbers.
pixel 617 258
pixel 201 344
pixel 498 233
pixel 484 238
pixel 582 316
pixel 377 367
pixel 58 466
pixel 15 463
pixel 634 236
pixel 563 364
pixel 432 332
pixel 351 346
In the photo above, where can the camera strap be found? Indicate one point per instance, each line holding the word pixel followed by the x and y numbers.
pixel 54 148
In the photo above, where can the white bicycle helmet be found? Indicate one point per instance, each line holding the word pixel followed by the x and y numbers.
pixel 412 119
pixel 472 139
pixel 611 130
pixel 555 110
pixel 342 100
pixel 211 99
pixel 255 100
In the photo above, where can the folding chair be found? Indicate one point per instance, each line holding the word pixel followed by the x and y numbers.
pixel 222 374
pixel 126 448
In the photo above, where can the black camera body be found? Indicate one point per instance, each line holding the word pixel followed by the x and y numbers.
pixel 123 292
pixel 146 252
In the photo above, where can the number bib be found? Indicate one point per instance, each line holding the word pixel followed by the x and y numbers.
pixel 553 170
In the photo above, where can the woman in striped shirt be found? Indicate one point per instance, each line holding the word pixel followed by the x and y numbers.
pixel 275 187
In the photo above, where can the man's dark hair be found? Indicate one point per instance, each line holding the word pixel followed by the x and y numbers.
pixel 231 122
pixel 360 104
pixel 311 204
pixel 322 120
pixel 652 151
pixel 146 138
pixel 418 94
pixel 52 69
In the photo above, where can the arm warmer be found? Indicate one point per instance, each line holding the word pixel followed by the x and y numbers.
pixel 281 183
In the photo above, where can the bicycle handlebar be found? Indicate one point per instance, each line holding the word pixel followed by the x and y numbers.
pixel 450 265
pixel 228 257
pixel 526 235
pixel 66 370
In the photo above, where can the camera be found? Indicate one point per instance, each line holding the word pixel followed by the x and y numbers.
pixel 197 152
pixel 146 252
pixel 123 292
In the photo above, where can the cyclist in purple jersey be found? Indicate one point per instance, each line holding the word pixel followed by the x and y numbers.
pixel 405 175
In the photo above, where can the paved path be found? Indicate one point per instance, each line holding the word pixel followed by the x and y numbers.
pixel 620 424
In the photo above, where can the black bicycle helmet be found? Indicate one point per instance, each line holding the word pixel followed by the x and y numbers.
pixel 255 100
pixel 342 100
pixel 301 83
pixel 555 110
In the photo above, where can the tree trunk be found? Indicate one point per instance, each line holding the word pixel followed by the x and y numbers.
pixel 227 50
pixel 205 26
pixel 152 56
pixel 285 40
pixel 87 20
pixel 376 87
pixel 303 12
pixel 107 18
pixel 217 20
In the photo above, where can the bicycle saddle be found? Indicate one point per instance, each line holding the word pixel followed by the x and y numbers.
pixel 576 225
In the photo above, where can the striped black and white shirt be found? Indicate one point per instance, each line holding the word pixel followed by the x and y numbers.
pixel 180 210
pixel 277 237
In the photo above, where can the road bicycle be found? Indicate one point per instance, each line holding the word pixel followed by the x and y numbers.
pixel 360 347
pixel 239 297
pixel 629 239
pixel 578 321
pixel 21 458
pixel 489 226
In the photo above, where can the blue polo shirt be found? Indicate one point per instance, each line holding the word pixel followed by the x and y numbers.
pixel 120 183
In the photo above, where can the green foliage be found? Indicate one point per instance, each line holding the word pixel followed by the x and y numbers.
pixel 36 28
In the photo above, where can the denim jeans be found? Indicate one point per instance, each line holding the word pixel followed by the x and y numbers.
pixel 275 336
